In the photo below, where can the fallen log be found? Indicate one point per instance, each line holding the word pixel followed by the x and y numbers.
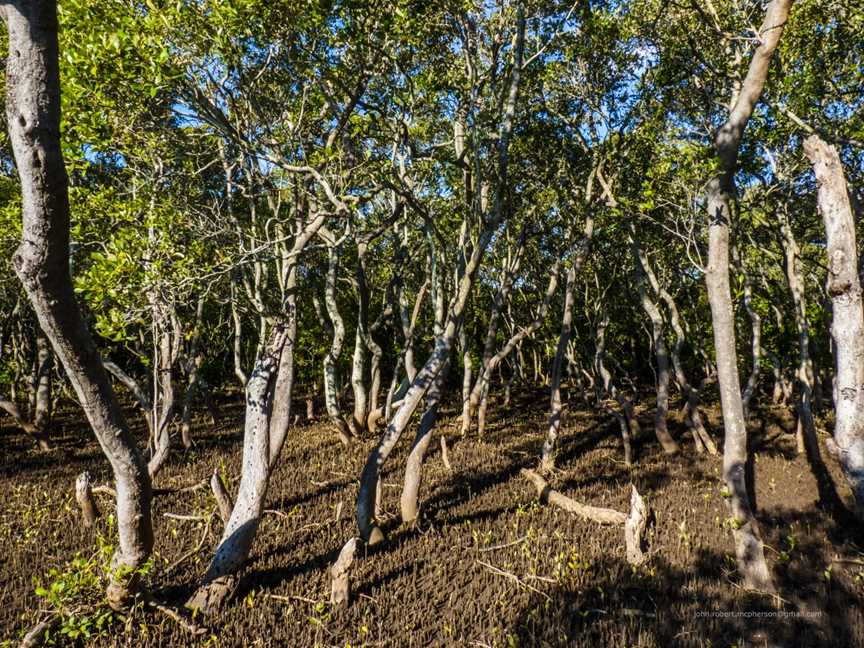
pixel 635 524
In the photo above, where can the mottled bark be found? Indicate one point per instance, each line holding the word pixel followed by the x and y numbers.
pixel 720 196
pixel 847 325
pixel 194 362
pixel 331 360
pixel 648 300
pixel 236 542
pixel 806 436
pixel 42 264
pixel 358 361
pixel 42 388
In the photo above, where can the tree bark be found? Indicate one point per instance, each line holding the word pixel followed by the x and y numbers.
pixel 331 360
pixel 847 325
pixel 43 388
pixel 194 362
pixel 720 195
pixel 806 433
pixel 42 264
pixel 661 352
pixel 236 542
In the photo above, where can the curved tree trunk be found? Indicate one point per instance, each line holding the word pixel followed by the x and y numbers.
pixel 239 533
pixel 409 505
pixel 720 195
pixel 42 264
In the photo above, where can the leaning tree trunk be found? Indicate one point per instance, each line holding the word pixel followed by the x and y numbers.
pixel 720 195
pixel 268 414
pixel 847 324
pixel 42 264
pixel 239 533
pixel 409 502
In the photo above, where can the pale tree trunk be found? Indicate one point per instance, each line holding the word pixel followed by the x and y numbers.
pixel 467 378
pixel 720 195
pixel 242 378
pixel 358 362
pixel 409 506
pixel 43 388
pixel 194 361
pixel 847 324
pixel 661 352
pixel 807 438
pixel 755 334
pixel 239 533
pixel 365 509
pixel 268 415
pixel 331 360
pixel 547 457
pixel 42 264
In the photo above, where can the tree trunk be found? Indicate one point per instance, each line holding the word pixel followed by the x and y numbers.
pixel 166 343
pixel 239 533
pixel 194 362
pixel 331 360
pixel 242 378
pixel 847 324
pixel 42 264
pixel 414 464
pixel 358 362
pixel 806 436
pixel 42 388
pixel 755 335
pixel 661 353
pixel 547 457
pixel 720 195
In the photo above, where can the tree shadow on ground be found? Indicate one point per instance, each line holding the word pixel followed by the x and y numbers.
pixel 610 603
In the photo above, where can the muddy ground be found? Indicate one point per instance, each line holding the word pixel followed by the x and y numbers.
pixel 487 566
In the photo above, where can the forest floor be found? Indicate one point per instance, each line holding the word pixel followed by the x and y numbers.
pixel 488 565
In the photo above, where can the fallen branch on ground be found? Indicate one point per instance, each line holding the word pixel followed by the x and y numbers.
pixel 635 525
